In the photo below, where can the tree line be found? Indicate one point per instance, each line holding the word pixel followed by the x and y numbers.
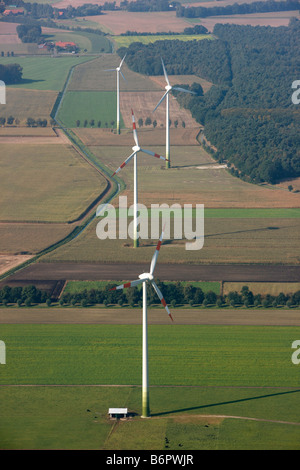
pixel 198 29
pixel 175 294
pixel 247 114
pixel 29 32
pixel 237 9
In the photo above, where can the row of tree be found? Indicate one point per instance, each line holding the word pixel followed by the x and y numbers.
pixel 175 294
pixel 11 73
pixel 237 8
pixel 198 29
pixel 30 122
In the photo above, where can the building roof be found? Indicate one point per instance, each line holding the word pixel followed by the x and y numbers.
pixel 118 411
pixel 14 11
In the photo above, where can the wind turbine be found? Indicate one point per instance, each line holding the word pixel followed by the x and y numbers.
pixel 118 70
pixel 168 88
pixel 136 148
pixel 144 279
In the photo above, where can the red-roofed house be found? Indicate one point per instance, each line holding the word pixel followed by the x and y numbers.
pixel 13 11
pixel 63 45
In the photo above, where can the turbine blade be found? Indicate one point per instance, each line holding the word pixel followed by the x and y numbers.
pixel 123 164
pixel 161 298
pixel 134 129
pixel 154 257
pixel 165 94
pixel 149 152
pixel 121 63
pixel 165 73
pixel 123 75
pixel 128 284
pixel 109 70
pixel 183 89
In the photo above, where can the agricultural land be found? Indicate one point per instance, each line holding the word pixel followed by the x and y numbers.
pixel 221 375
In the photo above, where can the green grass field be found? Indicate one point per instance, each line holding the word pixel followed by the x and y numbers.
pixel 242 372
pixel 87 42
pixel 125 41
pixel 44 73
pixel 78 286
pixel 88 105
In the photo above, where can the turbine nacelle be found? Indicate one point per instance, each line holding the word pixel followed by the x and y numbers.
pixel 147 276
pixel 136 148
pixel 168 88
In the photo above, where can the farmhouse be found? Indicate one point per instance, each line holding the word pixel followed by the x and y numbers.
pixel 118 412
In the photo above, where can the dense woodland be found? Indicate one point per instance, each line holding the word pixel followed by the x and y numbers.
pixel 10 73
pixel 237 9
pixel 248 113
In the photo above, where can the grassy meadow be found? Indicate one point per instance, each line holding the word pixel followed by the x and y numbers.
pixel 88 105
pixel 44 73
pixel 125 41
pixel 234 371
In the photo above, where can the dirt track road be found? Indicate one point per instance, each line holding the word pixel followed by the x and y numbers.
pixel 170 272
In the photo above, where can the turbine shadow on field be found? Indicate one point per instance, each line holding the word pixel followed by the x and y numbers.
pixel 200 407
pixel 244 231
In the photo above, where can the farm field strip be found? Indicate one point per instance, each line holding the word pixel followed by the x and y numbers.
pixel 118 22
pixel 90 354
pixel 44 73
pixel 125 41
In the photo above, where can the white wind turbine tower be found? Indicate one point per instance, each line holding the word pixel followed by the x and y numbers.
pixel 168 88
pixel 144 278
pixel 118 70
pixel 136 148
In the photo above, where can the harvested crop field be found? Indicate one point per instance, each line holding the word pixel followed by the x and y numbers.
pixel 119 22
pixel 231 241
pixel 49 183
pixel 22 104
pixel 143 105
pixel 8 262
pixel 147 135
pixel 186 183
pixel 93 76
pixel 121 316
pixel 32 136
